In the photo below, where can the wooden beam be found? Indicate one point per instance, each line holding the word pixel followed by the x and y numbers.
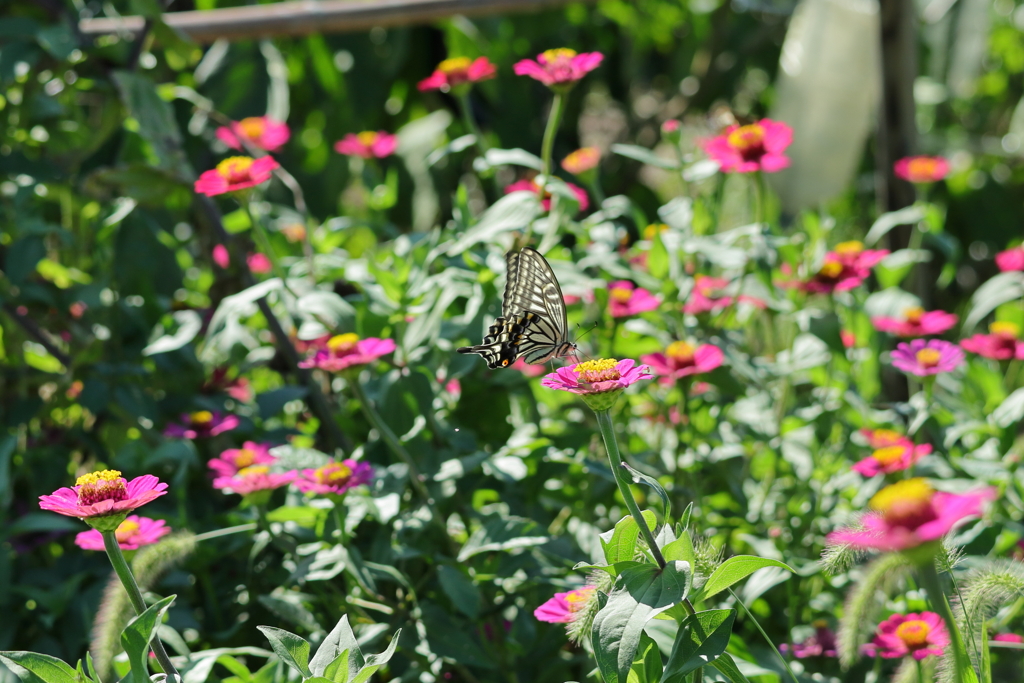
pixel 304 17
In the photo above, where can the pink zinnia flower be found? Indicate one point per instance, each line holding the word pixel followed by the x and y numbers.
pixel 909 635
pixel 599 382
pixel 921 169
pixel 221 256
pixel 237 388
pixel 133 533
pixel 458 73
pixel 1011 259
pixel 848 338
pixel 625 299
pixel 347 350
pixel 563 606
pixel 334 478
pixel 368 144
pixel 527 369
pixel 706 295
pixel 582 160
pixel 1003 342
pixel 559 69
pixel 231 461
pixel 236 173
pixel 1008 638
pixel 259 131
pixel 259 263
pixel 681 359
pixel 882 438
pixel 910 513
pixel 920 357
pixel 252 479
pixel 201 424
pixel 755 147
pixel 545 196
pixel 103 494
pixel 894 458
pixel 916 322
pixel 845 268
pixel 821 644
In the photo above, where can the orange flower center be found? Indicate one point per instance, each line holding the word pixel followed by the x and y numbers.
pixel 831 269
pixel 244 458
pixel 913 315
pixel 653 229
pixel 680 351
pixel 559 54
pixel 928 358
pixel 578 598
pixel 342 343
pixel 851 247
pixel 621 294
pixel 885 437
pixel 201 418
pixel 103 485
pixel 254 471
pixel 923 168
pixel 367 137
pixel 747 138
pixel 1004 329
pixel 333 474
pixel 456 66
pixel 888 454
pixel 582 160
pixel 601 370
pixel 125 530
pixel 914 633
pixel 905 503
pixel 252 127
pixel 235 169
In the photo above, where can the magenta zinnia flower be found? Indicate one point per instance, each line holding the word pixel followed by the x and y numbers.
pixel 916 322
pixel 103 494
pixel 231 461
pixel 845 268
pixel 892 458
pixel 1011 259
pixel 368 144
pixel 545 196
pixel 681 359
pixel 707 295
pixel 221 256
pixel 201 424
pixel 235 173
pixel 582 160
pixel 922 358
pixel 133 533
pixel 559 69
pixel 1003 342
pixel 253 479
pixel 259 263
pixel 334 478
pixel 909 635
pixel 821 644
pixel 881 438
pixel 626 299
pixel 599 382
pixel 910 513
pixel 259 131
pixel 458 73
pixel 1008 638
pixel 755 147
pixel 921 169
pixel 348 350
pixel 561 608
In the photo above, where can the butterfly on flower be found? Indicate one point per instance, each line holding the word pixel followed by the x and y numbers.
pixel 533 323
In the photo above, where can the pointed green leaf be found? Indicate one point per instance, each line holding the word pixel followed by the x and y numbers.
pixel 341 639
pixel 736 569
pixel 28 665
pixel 701 640
pixel 622 546
pixel 641 478
pixel 337 671
pixel 139 633
pixel 292 649
pixel 726 666
pixel 374 662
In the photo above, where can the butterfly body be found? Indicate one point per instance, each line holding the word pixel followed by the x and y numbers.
pixel 533 323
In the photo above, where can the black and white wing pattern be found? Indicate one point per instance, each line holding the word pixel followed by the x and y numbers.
pixel 533 323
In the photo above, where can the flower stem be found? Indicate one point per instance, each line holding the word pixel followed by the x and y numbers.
pixel 604 420
pixel 920 671
pixel 467 118
pixel 124 573
pixel 764 635
pixel 929 578
pixel 225 532
pixel 554 118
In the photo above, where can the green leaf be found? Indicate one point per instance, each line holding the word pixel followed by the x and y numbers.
pixel 460 589
pixel 337 671
pixel 726 665
pixel 292 649
pixel 374 662
pixel 1010 411
pixel 501 533
pixel 641 478
pixel 888 221
pixel 996 291
pixel 157 124
pixel 139 633
pixel 647 666
pixel 30 665
pixel 340 640
pixel 702 638
pixel 644 155
pixel 622 546
pixel 680 549
pixel 638 595
pixel 507 157
pixel 736 569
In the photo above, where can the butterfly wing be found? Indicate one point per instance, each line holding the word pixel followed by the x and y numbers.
pixel 499 348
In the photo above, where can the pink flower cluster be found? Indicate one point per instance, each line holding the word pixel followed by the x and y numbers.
pixel 845 268
pixel 457 73
pixel 681 360
pixel 893 452
pixel 923 358
pixel 344 351
pixel 202 424
pixel 103 494
pixel 754 147
pixel 133 533
pixel 1011 259
pixel 545 201
pixel 249 470
pixel 368 144
pixel 234 174
pixel 1001 343
pixel 261 132
pixel 627 299
pixel 909 635
pixel 559 69
pixel 562 607
pixel 916 322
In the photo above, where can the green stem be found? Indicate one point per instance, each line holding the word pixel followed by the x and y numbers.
pixel 762 198
pixel 554 118
pixel 467 118
pixel 764 635
pixel 604 420
pixel 929 577
pixel 123 572
pixel 595 188
pixel 226 532
pixel 920 672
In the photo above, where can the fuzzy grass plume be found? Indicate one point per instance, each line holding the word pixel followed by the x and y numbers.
pixel 862 603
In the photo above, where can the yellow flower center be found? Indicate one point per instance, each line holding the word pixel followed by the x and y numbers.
pixel 202 417
pixel 253 471
pixel 103 485
pixel 559 53
pixel 1004 329
pixel 600 370
pixel 914 633
pixel 245 457
pixel 581 160
pixel 252 127
pixel 455 65
pixel 913 315
pixel 680 351
pixel 235 169
pixel 622 294
pixel 831 269
pixel 577 599
pixel 819 623
pixel 367 137
pixel 885 436
pixel 904 502
pixel 653 229
pixel 125 530
pixel 922 168
pixel 333 474
pixel 929 358
pixel 851 247
pixel 747 138
pixel 888 454
pixel 343 343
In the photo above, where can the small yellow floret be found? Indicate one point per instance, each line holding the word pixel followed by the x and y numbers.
pixel 97 477
pixel 253 470
pixel 343 342
pixel 851 247
pixel 367 137
pixel 747 137
pixel 913 315
pixel 929 358
pixel 234 169
pixel 252 127
pixel 333 474
pixel 559 53
pixel 1004 329
pixel 902 494
pixel 454 65
pixel 889 454
pixel 831 269
pixel 201 417
pixel 886 436
pixel 680 350
pixel 125 530
pixel 914 634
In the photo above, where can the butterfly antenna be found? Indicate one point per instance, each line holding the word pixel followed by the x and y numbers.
pixel 589 330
